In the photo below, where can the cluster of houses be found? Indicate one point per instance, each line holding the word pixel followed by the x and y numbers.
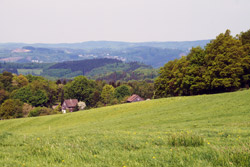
pixel 71 104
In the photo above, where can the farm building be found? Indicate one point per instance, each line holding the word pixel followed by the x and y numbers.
pixel 134 98
pixel 69 104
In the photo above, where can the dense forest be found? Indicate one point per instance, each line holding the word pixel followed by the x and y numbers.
pixel 222 66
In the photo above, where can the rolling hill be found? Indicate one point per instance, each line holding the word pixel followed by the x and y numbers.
pixel 207 130
pixel 155 54
pixel 89 45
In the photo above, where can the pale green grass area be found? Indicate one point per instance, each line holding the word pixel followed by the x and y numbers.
pixel 135 135
pixel 30 71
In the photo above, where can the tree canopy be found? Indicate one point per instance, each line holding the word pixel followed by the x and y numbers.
pixel 81 88
pixel 223 65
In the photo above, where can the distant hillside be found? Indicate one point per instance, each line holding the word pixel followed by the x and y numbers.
pixel 183 45
pixel 155 54
pixel 96 69
pixel 84 65
pixel 93 68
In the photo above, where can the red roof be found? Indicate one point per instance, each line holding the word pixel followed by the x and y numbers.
pixel 134 98
pixel 71 102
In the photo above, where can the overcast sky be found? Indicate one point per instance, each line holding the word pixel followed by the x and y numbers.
pixel 59 21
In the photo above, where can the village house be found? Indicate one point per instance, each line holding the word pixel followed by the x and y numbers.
pixel 134 98
pixel 69 104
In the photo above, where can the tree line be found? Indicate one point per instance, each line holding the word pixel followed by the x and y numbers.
pixel 222 66
pixel 23 96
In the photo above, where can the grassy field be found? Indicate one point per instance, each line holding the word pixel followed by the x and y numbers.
pixel 30 71
pixel 207 130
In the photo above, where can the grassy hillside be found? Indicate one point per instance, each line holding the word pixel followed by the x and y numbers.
pixel 207 130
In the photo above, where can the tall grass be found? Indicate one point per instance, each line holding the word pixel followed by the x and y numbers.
pixel 186 139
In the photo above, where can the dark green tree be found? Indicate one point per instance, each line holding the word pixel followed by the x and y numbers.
pixel 6 80
pixel 107 94
pixel 3 95
pixel 245 37
pixel 80 88
pixel 121 92
pixel 11 108
pixel 34 97
pixel 224 57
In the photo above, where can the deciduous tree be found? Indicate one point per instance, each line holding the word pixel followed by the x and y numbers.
pixel 11 108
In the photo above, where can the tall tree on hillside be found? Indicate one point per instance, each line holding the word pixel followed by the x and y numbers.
pixel 107 93
pixel 28 95
pixel 6 80
pixel 121 92
pixel 50 88
pixel 80 88
pixel 245 37
pixel 194 81
pixel 223 58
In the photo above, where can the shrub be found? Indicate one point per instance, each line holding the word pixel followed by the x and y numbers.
pixel 124 100
pixel 58 108
pixel 186 139
pixel 40 111
pixel 114 101
pixel 26 109
pixel 81 105
pixel 76 108
pixel 99 104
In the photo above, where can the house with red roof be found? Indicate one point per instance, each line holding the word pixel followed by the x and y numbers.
pixel 134 98
pixel 69 104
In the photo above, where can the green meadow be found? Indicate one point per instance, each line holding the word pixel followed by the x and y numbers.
pixel 206 130
pixel 30 71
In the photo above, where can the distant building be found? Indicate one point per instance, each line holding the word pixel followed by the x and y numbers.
pixel 134 98
pixel 69 104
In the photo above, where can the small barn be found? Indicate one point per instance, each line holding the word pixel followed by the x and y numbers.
pixel 69 104
pixel 134 98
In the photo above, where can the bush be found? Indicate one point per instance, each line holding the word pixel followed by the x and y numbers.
pixel 114 101
pixel 99 104
pixel 81 105
pixel 58 108
pixel 11 108
pixel 40 111
pixel 124 100
pixel 26 109
pixel 186 139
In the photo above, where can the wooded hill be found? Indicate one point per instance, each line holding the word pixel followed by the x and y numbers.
pixel 155 54
pixel 100 69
